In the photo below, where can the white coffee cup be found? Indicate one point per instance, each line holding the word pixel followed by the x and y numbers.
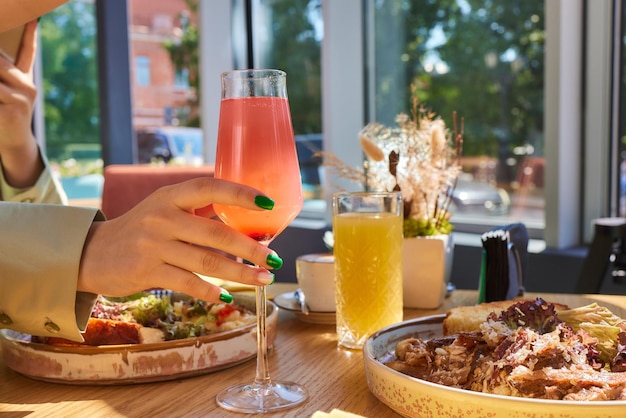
pixel 316 277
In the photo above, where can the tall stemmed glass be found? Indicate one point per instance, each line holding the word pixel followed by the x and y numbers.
pixel 256 147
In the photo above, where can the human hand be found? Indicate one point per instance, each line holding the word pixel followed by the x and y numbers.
pixel 20 155
pixel 18 12
pixel 162 241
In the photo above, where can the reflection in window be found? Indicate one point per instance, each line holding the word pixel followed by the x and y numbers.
pixel 142 71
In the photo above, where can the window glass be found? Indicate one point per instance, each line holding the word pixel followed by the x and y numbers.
pixel 287 35
pixel 163 38
pixel 70 86
pixel 182 78
pixel 142 71
pixel 483 60
pixel 189 143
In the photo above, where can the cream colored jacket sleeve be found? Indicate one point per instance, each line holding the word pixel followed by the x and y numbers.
pixel 40 252
pixel 46 190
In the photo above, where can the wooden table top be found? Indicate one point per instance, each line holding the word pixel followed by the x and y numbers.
pixel 305 353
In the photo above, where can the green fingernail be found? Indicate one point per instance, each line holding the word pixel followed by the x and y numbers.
pixel 264 202
pixel 274 261
pixel 226 298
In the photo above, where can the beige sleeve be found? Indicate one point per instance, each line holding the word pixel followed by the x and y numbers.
pixel 47 189
pixel 40 251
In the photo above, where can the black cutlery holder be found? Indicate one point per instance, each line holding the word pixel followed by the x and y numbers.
pixel 505 255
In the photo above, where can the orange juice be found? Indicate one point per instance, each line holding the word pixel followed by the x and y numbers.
pixel 368 274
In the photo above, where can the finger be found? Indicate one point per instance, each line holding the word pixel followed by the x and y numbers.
pixel 209 263
pixel 26 54
pixel 187 228
pixel 24 10
pixel 173 278
pixel 5 93
pixel 198 193
pixel 189 283
pixel 168 231
pixel 205 212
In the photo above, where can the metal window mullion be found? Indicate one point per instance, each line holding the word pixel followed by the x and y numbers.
pixel 563 112
pixel 215 31
pixel 343 84
pixel 600 151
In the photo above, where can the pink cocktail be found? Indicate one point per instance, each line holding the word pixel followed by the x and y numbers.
pixel 256 147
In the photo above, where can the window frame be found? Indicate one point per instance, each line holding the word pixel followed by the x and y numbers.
pixel 600 114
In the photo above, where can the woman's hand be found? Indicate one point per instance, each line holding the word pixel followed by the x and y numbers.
pixel 21 161
pixel 161 242
pixel 18 12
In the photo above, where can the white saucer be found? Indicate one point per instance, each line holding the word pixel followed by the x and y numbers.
pixel 289 302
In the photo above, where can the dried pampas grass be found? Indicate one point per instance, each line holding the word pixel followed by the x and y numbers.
pixel 419 157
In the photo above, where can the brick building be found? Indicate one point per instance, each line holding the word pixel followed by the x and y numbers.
pixel 160 94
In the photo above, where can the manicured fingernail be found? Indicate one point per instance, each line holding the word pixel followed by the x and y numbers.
pixel 264 202
pixel 267 278
pixel 226 297
pixel 274 261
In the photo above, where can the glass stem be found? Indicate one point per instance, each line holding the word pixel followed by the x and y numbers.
pixel 262 378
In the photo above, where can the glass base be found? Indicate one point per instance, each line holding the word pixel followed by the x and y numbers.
pixel 346 338
pixel 267 397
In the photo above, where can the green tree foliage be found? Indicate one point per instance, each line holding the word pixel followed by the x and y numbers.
pixel 184 55
pixel 500 65
pixel 494 52
pixel 401 31
pixel 295 48
pixel 68 45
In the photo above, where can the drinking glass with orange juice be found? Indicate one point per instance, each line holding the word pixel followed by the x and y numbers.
pixel 367 229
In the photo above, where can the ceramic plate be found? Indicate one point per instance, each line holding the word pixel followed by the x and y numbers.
pixel 137 363
pixel 289 302
pixel 413 397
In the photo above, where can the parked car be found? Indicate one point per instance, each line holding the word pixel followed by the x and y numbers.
pixel 169 143
pixel 479 198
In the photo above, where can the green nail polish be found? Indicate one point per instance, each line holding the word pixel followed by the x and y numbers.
pixel 274 261
pixel 273 279
pixel 264 202
pixel 226 298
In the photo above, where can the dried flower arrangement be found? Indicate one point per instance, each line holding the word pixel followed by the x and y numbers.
pixel 420 157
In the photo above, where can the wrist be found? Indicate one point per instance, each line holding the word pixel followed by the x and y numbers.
pixel 22 165
pixel 89 260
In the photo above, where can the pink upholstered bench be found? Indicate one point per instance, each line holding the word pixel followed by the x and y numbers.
pixel 126 185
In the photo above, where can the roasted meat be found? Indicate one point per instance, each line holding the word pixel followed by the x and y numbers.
pixel 549 360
